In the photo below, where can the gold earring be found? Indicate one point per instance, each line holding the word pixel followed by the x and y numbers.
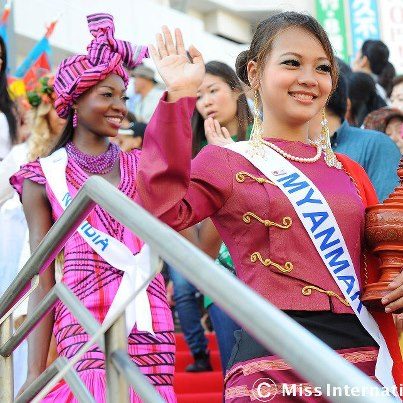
pixel 330 157
pixel 257 128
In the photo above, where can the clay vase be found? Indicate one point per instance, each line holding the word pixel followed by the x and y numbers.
pixel 384 236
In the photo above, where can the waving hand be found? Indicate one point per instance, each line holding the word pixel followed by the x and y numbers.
pixel 181 75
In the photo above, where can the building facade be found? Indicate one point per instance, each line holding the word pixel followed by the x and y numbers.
pixel 220 29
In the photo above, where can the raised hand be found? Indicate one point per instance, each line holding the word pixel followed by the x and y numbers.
pixel 215 134
pixel 182 76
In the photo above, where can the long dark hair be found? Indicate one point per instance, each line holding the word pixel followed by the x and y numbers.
pixel 67 133
pixel 363 96
pixel 385 78
pixel 243 113
pixel 6 104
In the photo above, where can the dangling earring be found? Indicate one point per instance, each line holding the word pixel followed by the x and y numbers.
pixel 330 157
pixel 75 118
pixel 257 128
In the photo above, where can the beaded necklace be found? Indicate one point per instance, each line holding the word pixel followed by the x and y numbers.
pixel 95 164
pixel 292 157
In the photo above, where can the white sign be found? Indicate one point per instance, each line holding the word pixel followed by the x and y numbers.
pixel 391 15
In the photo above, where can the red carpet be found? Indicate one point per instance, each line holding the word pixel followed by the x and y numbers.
pixel 204 387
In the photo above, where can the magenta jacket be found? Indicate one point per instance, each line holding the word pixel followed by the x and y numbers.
pixel 271 250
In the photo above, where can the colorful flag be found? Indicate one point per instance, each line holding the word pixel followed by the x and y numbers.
pixel 4 19
pixel 16 88
pixel 37 63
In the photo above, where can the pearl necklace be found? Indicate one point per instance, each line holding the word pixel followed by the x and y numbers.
pixel 292 157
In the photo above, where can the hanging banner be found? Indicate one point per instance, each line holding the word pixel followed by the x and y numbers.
pixel 331 15
pixel 391 26
pixel 364 22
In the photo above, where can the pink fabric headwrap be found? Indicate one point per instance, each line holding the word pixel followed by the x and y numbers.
pixel 106 55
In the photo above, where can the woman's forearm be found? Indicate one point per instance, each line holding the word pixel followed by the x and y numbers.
pixel 39 218
pixel 39 338
pixel 205 237
pixel 192 235
pixel 209 238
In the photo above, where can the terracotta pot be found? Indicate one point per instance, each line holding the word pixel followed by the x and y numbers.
pixel 384 236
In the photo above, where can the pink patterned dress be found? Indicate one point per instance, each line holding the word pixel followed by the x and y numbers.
pixel 95 283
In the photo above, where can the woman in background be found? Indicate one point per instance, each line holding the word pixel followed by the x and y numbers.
pixel 363 98
pixel 220 101
pixel 8 121
pixel 14 245
pixel 220 97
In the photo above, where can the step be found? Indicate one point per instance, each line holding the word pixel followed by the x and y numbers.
pixel 202 382
pixel 184 358
pixel 200 397
pixel 181 344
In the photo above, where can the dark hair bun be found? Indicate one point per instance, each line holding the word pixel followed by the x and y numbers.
pixel 241 66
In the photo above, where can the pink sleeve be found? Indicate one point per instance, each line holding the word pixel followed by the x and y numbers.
pixel 175 189
pixel 31 171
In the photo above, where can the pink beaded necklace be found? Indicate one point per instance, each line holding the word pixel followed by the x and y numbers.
pixel 95 164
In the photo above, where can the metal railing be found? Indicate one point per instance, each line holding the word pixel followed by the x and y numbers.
pixel 309 356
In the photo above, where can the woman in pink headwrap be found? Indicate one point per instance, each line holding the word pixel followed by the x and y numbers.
pixel 90 93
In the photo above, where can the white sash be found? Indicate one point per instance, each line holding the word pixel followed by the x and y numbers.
pixel 136 268
pixel 321 226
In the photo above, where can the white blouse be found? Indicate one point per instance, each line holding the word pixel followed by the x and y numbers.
pixel 5 141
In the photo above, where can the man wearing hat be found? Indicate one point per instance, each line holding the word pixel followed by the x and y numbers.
pixel 149 93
